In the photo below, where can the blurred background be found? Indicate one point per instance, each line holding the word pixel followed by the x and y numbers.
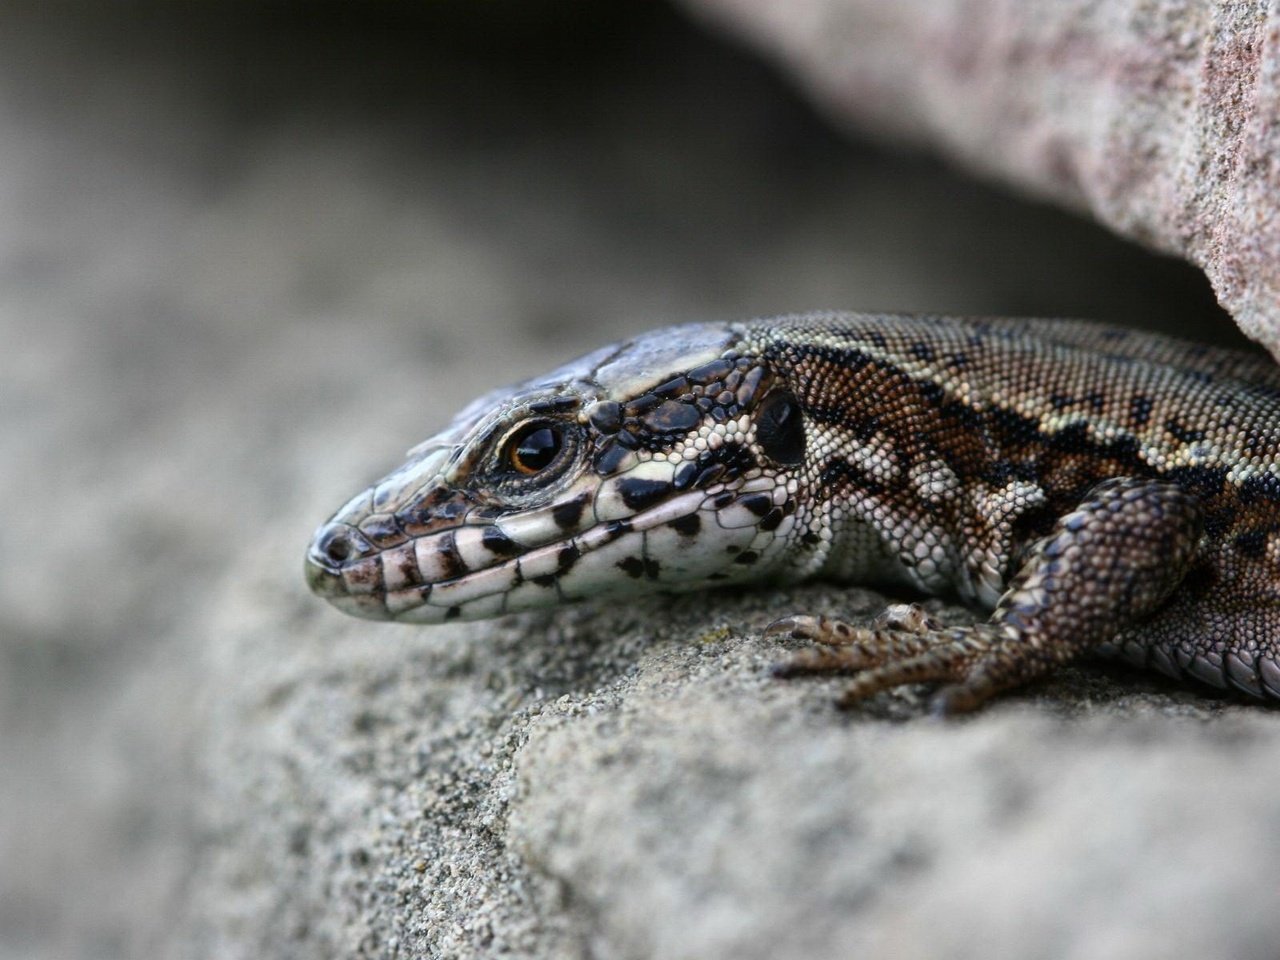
pixel 250 252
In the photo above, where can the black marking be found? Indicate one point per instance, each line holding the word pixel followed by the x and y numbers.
pixel 610 458
pixel 672 388
pixel 555 405
pixel 757 503
pixel 750 384
pixel 383 530
pixel 1252 543
pixel 545 580
pixel 1060 401
pixel 722 500
pixel 453 613
pixel 567 515
pixel 637 493
pixel 642 404
pixel 447 548
pixel 1261 486
pixel 810 539
pixel 566 558
pixel 1073 438
pixel 628 439
pixel 771 520
pixel 1218 523
pixel 685 474
pixel 638 567
pixel 498 543
pixel 1183 434
pixel 709 475
pixel 605 417
pixel 746 557
pixel 1139 408
pixel 922 351
pixel 689 526
pixel 671 416
pixel 1204 482
pixel 710 372
pixel 840 475
pixel 932 393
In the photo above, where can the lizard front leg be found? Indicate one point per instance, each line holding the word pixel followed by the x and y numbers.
pixel 1105 566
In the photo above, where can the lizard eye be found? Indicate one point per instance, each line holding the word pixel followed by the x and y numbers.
pixel 780 429
pixel 533 447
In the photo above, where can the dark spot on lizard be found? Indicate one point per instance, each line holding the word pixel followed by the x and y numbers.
pixel 498 543
pixel 610 458
pixel 638 493
pixel 1183 434
pixel 757 503
pixel 672 388
pixel 710 372
pixel 450 559
pixel 671 416
pixel 566 558
pixel 688 526
pixel 771 520
pixel 685 474
pixel 638 567
pixel 932 393
pixel 566 515
pixel 1252 543
pixel 555 405
pixel 1205 482
pixel 746 557
pixel 606 417
pixel 1261 486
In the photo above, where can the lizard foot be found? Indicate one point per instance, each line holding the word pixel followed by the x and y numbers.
pixel 902 630
pixel 1104 566
pixel 903 645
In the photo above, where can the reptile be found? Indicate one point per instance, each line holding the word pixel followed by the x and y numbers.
pixel 1094 489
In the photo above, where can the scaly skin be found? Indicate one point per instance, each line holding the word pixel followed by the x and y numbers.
pixel 1097 489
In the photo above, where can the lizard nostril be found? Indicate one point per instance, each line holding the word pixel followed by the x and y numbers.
pixel 336 547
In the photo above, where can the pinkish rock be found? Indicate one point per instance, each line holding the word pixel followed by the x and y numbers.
pixel 1161 118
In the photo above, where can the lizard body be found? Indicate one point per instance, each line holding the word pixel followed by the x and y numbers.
pixel 1097 489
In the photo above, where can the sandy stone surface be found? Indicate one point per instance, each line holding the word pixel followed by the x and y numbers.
pixel 1161 118
pixel 245 261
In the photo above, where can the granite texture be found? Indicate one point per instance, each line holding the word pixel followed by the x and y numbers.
pixel 1160 118
pixel 246 259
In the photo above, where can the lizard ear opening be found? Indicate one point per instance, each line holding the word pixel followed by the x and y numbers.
pixel 780 429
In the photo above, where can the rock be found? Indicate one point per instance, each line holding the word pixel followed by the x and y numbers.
pixel 1161 119
pixel 244 275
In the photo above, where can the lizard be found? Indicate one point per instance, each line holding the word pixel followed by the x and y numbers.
pixel 1092 489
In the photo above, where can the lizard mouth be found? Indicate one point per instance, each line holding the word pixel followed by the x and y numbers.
pixel 490 567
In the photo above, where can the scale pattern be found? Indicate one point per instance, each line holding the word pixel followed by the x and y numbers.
pixel 1099 490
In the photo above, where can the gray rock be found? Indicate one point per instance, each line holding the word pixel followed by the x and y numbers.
pixel 241 276
pixel 1161 119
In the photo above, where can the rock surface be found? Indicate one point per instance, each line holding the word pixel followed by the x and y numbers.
pixel 241 276
pixel 1161 118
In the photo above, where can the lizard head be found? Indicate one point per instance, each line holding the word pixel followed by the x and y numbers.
pixel 669 462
